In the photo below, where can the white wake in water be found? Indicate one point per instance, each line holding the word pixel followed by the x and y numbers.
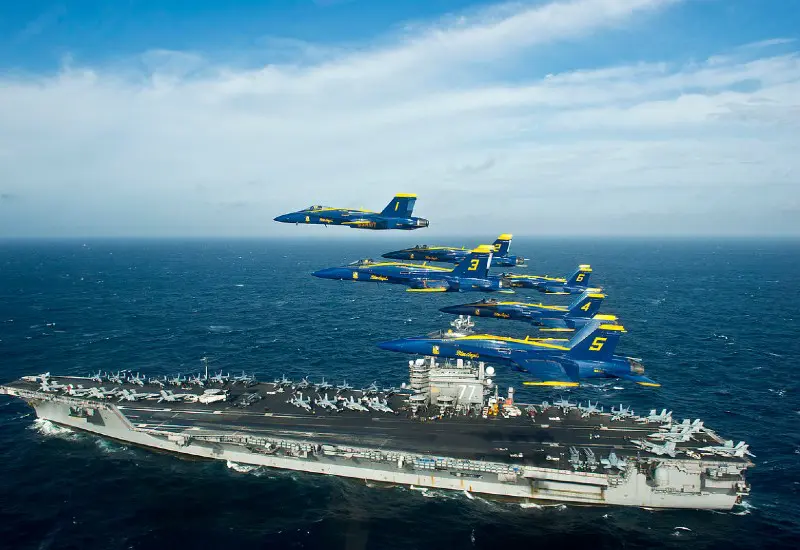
pixel 47 428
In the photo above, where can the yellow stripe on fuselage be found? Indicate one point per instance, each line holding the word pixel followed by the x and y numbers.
pixel 540 277
pixel 401 264
pixel 551 383
pixel 539 305
pixel 528 341
pixel 435 289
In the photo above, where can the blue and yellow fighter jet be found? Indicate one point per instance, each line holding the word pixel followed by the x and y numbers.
pixel 576 283
pixel 551 362
pixel 453 255
pixel 551 318
pixel 470 275
pixel 396 215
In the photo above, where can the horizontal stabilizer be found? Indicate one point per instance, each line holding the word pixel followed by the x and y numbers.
pixel 640 379
pixel 427 285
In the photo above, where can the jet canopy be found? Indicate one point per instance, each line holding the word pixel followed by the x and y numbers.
pixel 364 261
pixel 315 208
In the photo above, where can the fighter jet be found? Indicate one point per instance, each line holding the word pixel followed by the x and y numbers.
pixel 116 378
pixel 396 215
pixel 219 378
pixel 101 393
pixel 663 417
pixel 621 413
pixel 344 386
pixel 136 379
pixel 729 450
pixel 614 462
pixel 326 403
pixel 157 381
pixel 171 397
pixel 322 386
pixel 197 380
pixel 452 255
pixel 282 381
pixel 380 405
pixel 244 378
pixel 470 275
pixel 48 386
pixel 298 401
pixel 667 448
pixel 551 362
pixel 130 395
pixel 177 380
pixel 564 404
pixel 97 377
pixel 303 384
pixel 353 405
pixel 576 283
pixel 590 409
pixel 551 318
pixel 679 433
pixel 77 391
pixel 371 389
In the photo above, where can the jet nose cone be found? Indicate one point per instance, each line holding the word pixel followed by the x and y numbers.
pixel 332 273
pixel 394 345
pixel 283 218
pixel 456 310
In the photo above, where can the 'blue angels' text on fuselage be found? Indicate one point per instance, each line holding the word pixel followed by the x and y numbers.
pixel 453 255
pixel 550 318
pixel 576 283
pixel 471 275
pixel 552 362
pixel 396 215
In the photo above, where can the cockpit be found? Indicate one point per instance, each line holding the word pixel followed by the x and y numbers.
pixel 315 208
pixel 362 262
pixel 421 247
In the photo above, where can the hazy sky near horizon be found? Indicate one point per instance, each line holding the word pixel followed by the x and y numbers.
pixel 577 117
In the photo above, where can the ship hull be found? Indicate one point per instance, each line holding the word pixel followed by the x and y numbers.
pixel 306 452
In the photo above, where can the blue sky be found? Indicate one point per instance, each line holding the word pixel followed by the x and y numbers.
pixel 209 118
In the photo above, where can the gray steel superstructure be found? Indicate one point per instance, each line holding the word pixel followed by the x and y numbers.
pixel 448 428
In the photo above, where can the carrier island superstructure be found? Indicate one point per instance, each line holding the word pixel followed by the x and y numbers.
pixel 449 427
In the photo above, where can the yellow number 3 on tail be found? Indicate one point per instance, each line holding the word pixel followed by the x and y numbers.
pixel 473 265
pixel 597 343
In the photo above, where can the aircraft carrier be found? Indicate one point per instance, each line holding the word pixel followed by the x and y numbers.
pixel 449 427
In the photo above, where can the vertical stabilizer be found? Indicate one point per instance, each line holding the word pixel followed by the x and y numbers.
pixel 476 264
pixel 402 206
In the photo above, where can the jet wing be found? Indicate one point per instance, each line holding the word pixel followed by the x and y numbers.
pixel 427 285
pixel 549 373
pixel 554 324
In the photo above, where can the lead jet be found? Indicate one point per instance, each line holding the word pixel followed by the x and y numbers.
pixel 396 215
pixel 452 255
pixel 576 283
pixel 551 362
pixel 551 318
pixel 469 276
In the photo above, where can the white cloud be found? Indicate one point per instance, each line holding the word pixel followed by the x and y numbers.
pixel 194 147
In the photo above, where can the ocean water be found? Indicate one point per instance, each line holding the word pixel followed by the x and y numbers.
pixel 716 322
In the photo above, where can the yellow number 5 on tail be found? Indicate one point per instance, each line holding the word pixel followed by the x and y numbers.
pixel 597 343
